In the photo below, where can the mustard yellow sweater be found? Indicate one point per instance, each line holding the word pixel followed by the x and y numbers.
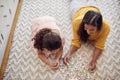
pixel 99 37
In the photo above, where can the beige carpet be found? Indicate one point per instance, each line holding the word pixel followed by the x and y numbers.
pixel 24 64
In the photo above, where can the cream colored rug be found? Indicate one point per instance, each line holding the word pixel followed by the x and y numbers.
pixel 24 64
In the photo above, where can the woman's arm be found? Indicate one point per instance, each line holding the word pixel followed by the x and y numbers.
pixel 70 52
pixel 95 56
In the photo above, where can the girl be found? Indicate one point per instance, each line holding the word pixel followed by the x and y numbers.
pixel 47 40
pixel 88 24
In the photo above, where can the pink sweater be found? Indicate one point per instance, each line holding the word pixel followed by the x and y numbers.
pixel 43 22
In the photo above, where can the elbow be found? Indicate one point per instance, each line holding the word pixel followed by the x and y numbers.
pixel 98 50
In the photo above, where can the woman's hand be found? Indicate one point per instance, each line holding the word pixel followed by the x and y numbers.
pixel 96 54
pixel 66 59
pixel 92 65
pixel 70 52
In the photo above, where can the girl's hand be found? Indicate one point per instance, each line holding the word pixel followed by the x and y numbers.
pixel 55 65
pixel 92 66
pixel 66 59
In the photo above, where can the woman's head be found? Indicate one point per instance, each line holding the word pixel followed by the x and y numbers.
pixel 91 23
pixel 46 39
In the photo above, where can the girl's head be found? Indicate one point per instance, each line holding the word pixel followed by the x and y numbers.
pixel 46 40
pixel 91 23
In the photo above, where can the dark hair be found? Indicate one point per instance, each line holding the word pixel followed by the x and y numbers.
pixel 92 18
pixel 45 38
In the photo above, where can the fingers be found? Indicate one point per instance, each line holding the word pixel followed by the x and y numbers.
pixel 91 67
pixel 66 61
pixel 55 66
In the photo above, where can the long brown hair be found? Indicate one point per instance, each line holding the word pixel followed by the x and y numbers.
pixel 92 18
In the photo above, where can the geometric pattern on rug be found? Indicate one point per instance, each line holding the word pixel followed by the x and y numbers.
pixel 24 64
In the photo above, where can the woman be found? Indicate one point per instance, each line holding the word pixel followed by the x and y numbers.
pixel 87 24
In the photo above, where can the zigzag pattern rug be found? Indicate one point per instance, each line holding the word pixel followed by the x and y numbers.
pixel 24 64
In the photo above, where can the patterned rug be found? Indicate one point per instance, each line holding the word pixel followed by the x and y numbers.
pixel 24 64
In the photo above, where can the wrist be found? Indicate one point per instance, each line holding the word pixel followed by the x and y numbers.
pixel 48 63
pixel 93 60
pixel 69 54
pixel 58 59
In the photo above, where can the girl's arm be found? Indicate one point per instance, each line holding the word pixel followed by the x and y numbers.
pixel 59 54
pixel 43 58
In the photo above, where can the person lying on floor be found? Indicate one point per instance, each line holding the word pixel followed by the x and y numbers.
pixel 47 40
pixel 87 25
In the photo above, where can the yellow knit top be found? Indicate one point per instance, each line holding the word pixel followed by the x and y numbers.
pixel 99 37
